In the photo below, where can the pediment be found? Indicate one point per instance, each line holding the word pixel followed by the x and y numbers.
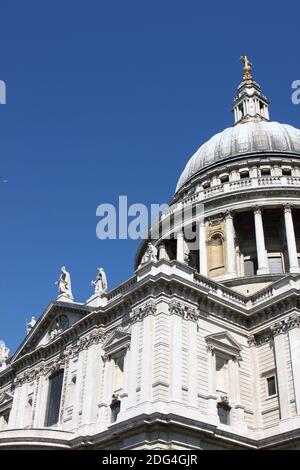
pixel 6 399
pixel 223 342
pixel 118 340
pixel 56 319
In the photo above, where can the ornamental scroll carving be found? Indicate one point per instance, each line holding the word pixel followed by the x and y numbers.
pixel 185 311
pixel 139 313
pixel 95 337
pixel 44 369
pixel 293 321
pixel 282 326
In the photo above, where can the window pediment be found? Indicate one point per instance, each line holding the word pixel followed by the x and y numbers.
pixel 223 342
pixel 6 399
pixel 116 342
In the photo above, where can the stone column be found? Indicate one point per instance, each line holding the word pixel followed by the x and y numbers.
pixel 126 373
pixel 260 242
pixel 162 252
pixel 180 246
pixel 41 402
pixel 192 361
pixel 15 410
pixel 92 377
pixel 291 240
pixel 212 395
pixel 176 365
pixel 281 369
pixel 294 339
pixel 230 248
pixel 147 356
pixel 104 410
pixel 133 365
pixel 238 423
pixel 202 249
pixel 258 421
pixel 77 409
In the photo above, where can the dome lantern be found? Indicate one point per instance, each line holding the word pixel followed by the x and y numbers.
pixel 250 104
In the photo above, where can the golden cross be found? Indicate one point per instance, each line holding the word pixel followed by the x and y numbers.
pixel 247 67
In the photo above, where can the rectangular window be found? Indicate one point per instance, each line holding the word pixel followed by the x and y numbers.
pixel 275 264
pixel 271 386
pixel 54 397
pixel 118 374
pixel 250 267
pixel 222 373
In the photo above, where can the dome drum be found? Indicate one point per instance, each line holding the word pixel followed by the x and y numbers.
pixel 239 194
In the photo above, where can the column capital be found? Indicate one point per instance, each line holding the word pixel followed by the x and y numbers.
pixel 229 214
pixel 288 207
pixel 293 321
pixel 257 209
pixel 179 233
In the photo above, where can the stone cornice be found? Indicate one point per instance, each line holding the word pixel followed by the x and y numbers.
pixel 293 321
pixel 139 313
pixel 277 328
pixel 187 312
pixel 211 298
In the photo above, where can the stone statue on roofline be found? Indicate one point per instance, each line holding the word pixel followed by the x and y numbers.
pixel 99 297
pixel 100 282
pixel 150 254
pixel 4 351
pixel 64 285
pixel 30 324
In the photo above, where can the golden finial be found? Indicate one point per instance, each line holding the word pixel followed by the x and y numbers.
pixel 247 68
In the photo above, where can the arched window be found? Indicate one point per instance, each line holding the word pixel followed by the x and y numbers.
pixel 216 254
pixel 54 398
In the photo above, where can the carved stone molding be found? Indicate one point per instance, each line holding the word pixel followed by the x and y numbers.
pixel 216 218
pixel 25 377
pixel 224 343
pixel 139 313
pixel 260 338
pixel 6 397
pixel 257 209
pixel 293 321
pixel 45 369
pixel 228 214
pixel 282 326
pixel 288 207
pixel 185 311
pixel 251 341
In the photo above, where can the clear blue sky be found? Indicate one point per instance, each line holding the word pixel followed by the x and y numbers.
pixel 106 98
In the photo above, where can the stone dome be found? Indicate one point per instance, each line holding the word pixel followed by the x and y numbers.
pixel 244 138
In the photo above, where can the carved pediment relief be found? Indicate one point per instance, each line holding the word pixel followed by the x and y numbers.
pixel 58 326
pixel 54 321
pixel 224 343
pixel 117 341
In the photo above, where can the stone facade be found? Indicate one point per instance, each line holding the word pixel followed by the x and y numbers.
pixel 200 348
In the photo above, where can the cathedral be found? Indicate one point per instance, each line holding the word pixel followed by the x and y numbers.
pixel 200 348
